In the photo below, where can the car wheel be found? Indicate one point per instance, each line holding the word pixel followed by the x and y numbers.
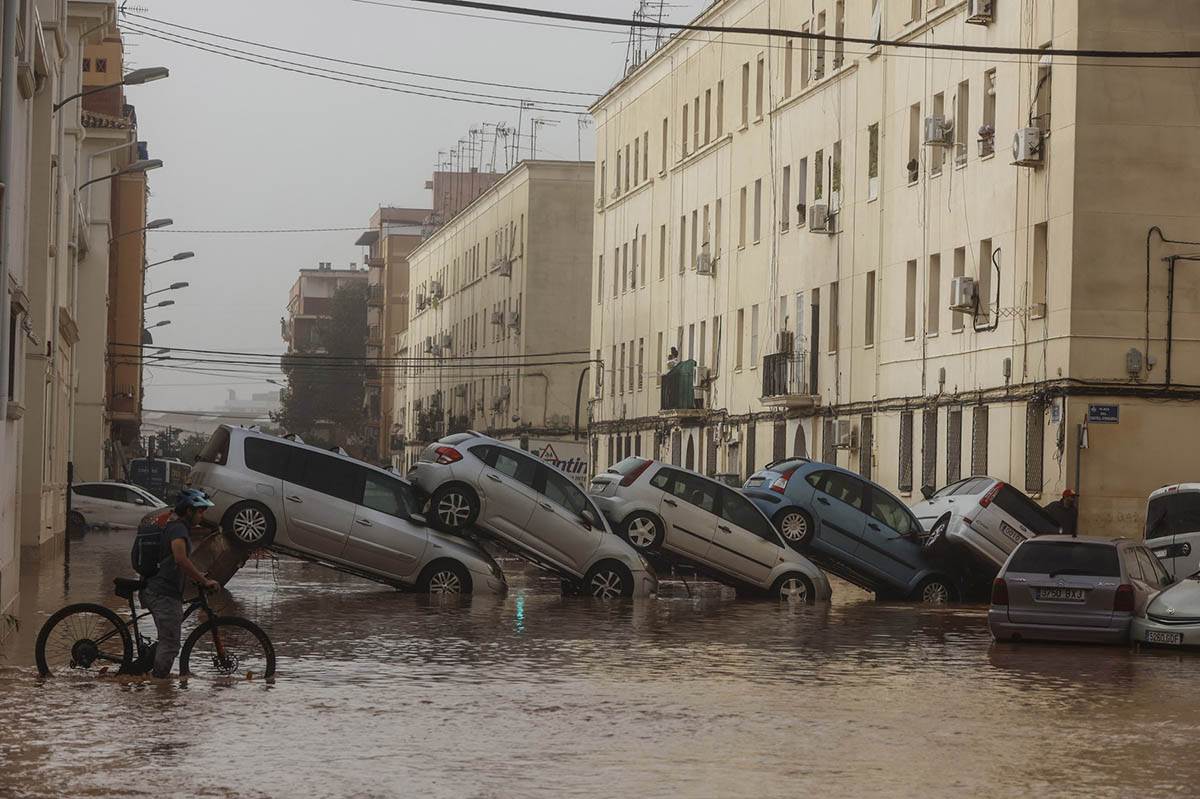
pixel 795 525
pixel 76 524
pixel 453 508
pixel 937 535
pixel 250 524
pixel 444 577
pixel 643 531
pixel 935 591
pixel 794 587
pixel 608 580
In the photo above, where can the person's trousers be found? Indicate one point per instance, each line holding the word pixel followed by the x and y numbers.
pixel 168 619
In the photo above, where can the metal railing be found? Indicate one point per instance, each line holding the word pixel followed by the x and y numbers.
pixel 785 374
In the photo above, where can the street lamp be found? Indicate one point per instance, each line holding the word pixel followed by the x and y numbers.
pixel 162 304
pixel 152 225
pixel 179 256
pixel 171 287
pixel 135 78
pixel 143 165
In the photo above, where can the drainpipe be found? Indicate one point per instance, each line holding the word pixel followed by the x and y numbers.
pixel 8 92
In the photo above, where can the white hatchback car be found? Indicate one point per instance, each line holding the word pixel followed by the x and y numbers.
pixel 984 516
pixel 659 507
pixel 331 508
pixel 110 504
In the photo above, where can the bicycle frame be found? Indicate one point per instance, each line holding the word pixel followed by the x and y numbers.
pixel 143 645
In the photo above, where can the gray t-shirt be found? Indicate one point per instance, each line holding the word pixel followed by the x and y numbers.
pixel 170 579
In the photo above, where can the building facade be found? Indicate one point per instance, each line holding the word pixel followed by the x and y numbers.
pixel 309 304
pixel 494 291
pixel 798 216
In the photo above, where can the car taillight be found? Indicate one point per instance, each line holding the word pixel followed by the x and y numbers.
pixel 990 495
pixel 999 591
pixel 628 479
pixel 447 455
pixel 779 486
pixel 1123 600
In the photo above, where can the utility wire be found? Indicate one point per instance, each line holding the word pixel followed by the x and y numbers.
pixel 318 356
pixel 261 230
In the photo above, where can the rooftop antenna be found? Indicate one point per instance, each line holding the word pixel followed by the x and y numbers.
pixel 581 123
pixel 520 119
pixel 534 124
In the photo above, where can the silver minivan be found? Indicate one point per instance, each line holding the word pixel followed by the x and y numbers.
pixel 281 493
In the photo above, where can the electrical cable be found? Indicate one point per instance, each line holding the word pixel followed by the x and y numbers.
pixel 317 356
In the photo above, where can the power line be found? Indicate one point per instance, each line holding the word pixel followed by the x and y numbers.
pixel 791 34
pixel 201 231
pixel 479 16
pixel 337 358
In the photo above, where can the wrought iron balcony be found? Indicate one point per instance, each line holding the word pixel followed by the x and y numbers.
pixel 785 380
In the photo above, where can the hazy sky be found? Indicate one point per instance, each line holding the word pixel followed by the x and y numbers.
pixel 248 146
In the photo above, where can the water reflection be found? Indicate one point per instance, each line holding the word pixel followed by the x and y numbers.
pixel 695 693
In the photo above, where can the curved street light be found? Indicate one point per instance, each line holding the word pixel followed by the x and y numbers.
pixel 142 165
pixel 135 78
pixel 151 225
pixel 179 256
pixel 162 304
pixel 173 287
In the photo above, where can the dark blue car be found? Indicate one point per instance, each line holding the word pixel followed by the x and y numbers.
pixel 854 529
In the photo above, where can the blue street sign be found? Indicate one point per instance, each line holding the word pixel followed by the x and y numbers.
pixel 1104 414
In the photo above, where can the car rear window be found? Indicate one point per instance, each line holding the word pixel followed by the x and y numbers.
pixel 972 485
pixel 626 466
pixel 217 449
pixel 1172 514
pixel 1066 557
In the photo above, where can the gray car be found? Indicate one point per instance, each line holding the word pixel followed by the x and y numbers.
pixel 476 482
pixel 325 506
pixel 1062 588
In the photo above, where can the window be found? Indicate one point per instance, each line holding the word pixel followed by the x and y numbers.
pixel 690 488
pixel 1035 421
pixel 929 448
pixel 987 130
pixel 741 332
pixel 641 363
pixel 866 449
pixel 745 94
pixel 839 30
pixel 633 270
pixel 691 342
pixel 646 155
pixel 616 189
pixel 890 511
pixel 716 343
pixel 829 441
pixel 696 124
pixel 603 181
pixel 87 65
pixel 665 139
pixel 960 268
pixel 662 252
pixel 643 267
pixel 933 287
pixel 625 267
pixel 388 496
pixel 838 485
pixel 1037 291
pixel 937 156
pixel 953 445
pixel 517 467
pixel 832 317
pixel 561 491
pixel 985 276
pixel 753 336
pixel 913 167
pixel 637 159
pixel 683 137
pixel 802 193
pixel 962 115
pixel 215 451
pixel 621 373
pixel 787 68
pixel 102 65
pixel 1025 511
pixel 757 210
pixel 612 370
pixel 702 341
pixel 1173 514
pixel 742 217
pixel 267 457
pixel 695 233
pixel 628 166
pixel 905 478
pixel 869 315
pixel 682 243
pixel 739 511
pixel 706 220
pixel 598 368
pixel 835 175
pixel 1053 557
pixel 1152 570
pixel 707 115
pixel 785 203
pixel 326 474
pixel 618 279
pixel 717 230
pixel 873 161
pixel 819 71
pixel 915 11
pixel 910 301
pixel 805 56
pixel 819 175
pixel 759 85
pixel 979 440
pixel 720 108
pixel 659 360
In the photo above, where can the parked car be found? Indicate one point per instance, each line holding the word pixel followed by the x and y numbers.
pixel 1063 588
pixel 1173 528
pixel 855 529
pixel 985 517
pixel 279 492
pixel 656 508
pixel 110 504
pixel 1173 617
pixel 476 482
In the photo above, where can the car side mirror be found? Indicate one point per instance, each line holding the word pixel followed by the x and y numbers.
pixel 139 501
pixel 927 492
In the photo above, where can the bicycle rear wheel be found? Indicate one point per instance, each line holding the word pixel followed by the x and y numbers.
pixel 227 646
pixel 83 639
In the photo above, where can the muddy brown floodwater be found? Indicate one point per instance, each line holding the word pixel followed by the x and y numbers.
pixel 533 695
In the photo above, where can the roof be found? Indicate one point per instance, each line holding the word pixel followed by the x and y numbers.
pixel 333 453
pixel 1177 488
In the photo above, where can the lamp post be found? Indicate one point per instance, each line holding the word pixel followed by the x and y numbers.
pixel 172 287
pixel 135 78
pixel 142 165
pixel 154 224
pixel 179 256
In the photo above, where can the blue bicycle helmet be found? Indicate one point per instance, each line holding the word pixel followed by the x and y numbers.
pixel 193 498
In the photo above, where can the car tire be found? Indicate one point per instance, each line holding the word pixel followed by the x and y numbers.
pixel 444 578
pixel 77 526
pixel 794 586
pixel 453 508
pixel 644 531
pixel 250 525
pixel 796 527
pixel 935 590
pixel 935 542
pixel 608 580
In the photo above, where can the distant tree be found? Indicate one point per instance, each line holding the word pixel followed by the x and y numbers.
pixel 323 398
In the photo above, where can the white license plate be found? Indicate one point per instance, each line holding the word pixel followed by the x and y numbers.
pixel 754 482
pixel 1155 637
pixel 1061 594
pixel 1011 532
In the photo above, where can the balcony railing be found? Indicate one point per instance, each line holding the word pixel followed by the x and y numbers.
pixel 785 378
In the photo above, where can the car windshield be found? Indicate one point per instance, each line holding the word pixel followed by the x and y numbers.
pixel 1065 557
pixel 626 466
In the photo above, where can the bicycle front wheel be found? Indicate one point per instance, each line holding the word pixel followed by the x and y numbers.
pixel 83 639
pixel 227 646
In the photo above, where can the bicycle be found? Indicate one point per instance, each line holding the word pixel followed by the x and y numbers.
pixel 92 639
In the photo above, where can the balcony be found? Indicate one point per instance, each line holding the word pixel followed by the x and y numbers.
pixel 375 295
pixel 786 381
pixel 677 393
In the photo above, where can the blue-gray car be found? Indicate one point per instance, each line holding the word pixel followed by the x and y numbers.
pixel 855 529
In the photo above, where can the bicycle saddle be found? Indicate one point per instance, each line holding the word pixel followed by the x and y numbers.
pixel 127 585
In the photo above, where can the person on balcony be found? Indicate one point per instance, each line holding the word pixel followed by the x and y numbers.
pixel 672 359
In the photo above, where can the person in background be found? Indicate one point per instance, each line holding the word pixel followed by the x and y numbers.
pixel 1065 511
pixel 672 359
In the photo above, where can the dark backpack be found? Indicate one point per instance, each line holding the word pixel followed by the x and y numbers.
pixel 148 551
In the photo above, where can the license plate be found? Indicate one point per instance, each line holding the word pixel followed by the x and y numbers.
pixel 753 482
pixel 1155 637
pixel 1011 532
pixel 1061 594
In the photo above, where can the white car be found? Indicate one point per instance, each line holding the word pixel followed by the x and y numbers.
pixel 110 504
pixel 1173 528
pixel 1173 617
pixel 984 516
pixel 659 507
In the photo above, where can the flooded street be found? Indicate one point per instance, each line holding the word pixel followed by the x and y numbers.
pixel 533 695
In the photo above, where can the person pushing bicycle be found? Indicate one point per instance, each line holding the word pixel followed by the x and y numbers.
pixel 163 594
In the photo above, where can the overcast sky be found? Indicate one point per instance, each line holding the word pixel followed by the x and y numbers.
pixel 248 146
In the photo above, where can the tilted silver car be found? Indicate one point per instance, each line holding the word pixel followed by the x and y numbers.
pixel 659 507
pixel 278 492
pixel 1062 588
pixel 475 481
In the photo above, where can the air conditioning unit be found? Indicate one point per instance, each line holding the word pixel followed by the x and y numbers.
pixel 497 317
pixel 504 267
pixel 846 433
pixel 939 132
pixel 981 12
pixel 785 342
pixel 963 294
pixel 704 264
pixel 435 288
pixel 819 220
pixel 513 320
pixel 1027 147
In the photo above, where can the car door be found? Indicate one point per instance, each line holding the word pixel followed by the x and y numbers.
pixel 890 548
pixel 508 494
pixel 558 521
pixel 130 505
pixel 837 507
pixel 384 537
pixel 109 505
pixel 85 498
pixel 688 510
pixel 745 544
pixel 321 496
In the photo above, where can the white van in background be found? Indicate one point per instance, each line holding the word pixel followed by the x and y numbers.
pixel 1173 528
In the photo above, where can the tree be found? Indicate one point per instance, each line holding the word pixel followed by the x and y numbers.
pixel 323 398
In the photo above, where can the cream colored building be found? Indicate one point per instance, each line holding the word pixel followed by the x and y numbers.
pixel 492 291
pixel 720 157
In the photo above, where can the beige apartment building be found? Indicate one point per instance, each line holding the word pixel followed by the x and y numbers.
pixel 493 290
pixel 798 217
